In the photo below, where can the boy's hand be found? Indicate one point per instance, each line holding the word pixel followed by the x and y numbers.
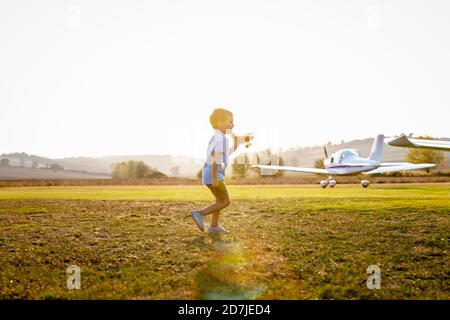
pixel 242 139
pixel 214 183
pixel 248 137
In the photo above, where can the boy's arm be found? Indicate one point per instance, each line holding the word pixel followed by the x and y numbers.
pixel 235 145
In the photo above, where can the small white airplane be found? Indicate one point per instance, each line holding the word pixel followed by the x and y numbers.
pixel 404 141
pixel 349 162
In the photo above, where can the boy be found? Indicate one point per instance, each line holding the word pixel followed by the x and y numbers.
pixel 213 171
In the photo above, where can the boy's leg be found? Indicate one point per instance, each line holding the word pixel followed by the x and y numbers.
pixel 213 207
pixel 223 197
pixel 215 219
pixel 222 200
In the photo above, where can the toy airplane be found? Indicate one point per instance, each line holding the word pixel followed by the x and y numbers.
pixel 349 162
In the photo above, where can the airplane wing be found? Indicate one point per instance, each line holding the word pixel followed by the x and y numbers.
pixel 400 168
pixel 294 169
pixel 404 141
pixel 390 164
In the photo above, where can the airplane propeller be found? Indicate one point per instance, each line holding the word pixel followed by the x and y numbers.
pixel 326 153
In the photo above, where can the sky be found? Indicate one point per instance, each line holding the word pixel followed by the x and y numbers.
pixel 97 78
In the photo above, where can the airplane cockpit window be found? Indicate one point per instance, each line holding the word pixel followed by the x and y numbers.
pixel 348 154
pixel 344 155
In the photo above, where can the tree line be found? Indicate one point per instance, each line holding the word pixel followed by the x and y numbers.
pixel 133 169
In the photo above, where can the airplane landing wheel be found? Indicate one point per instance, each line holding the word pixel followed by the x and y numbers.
pixel 365 183
pixel 323 183
pixel 332 183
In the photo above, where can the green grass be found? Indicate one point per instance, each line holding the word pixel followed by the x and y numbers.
pixel 288 242
pixel 184 193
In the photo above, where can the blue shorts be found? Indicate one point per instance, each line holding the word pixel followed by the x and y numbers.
pixel 206 173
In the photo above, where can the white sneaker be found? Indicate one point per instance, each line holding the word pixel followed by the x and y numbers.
pixel 218 229
pixel 199 219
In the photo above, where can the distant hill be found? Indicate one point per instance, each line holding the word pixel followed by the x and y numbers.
pixel 170 165
pixel 21 173
pixel 183 166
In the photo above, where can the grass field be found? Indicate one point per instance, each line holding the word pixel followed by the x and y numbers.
pixel 288 242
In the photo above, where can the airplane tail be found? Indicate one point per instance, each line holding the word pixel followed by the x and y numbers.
pixel 377 148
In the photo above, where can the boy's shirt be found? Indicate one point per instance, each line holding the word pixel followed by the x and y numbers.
pixel 218 143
